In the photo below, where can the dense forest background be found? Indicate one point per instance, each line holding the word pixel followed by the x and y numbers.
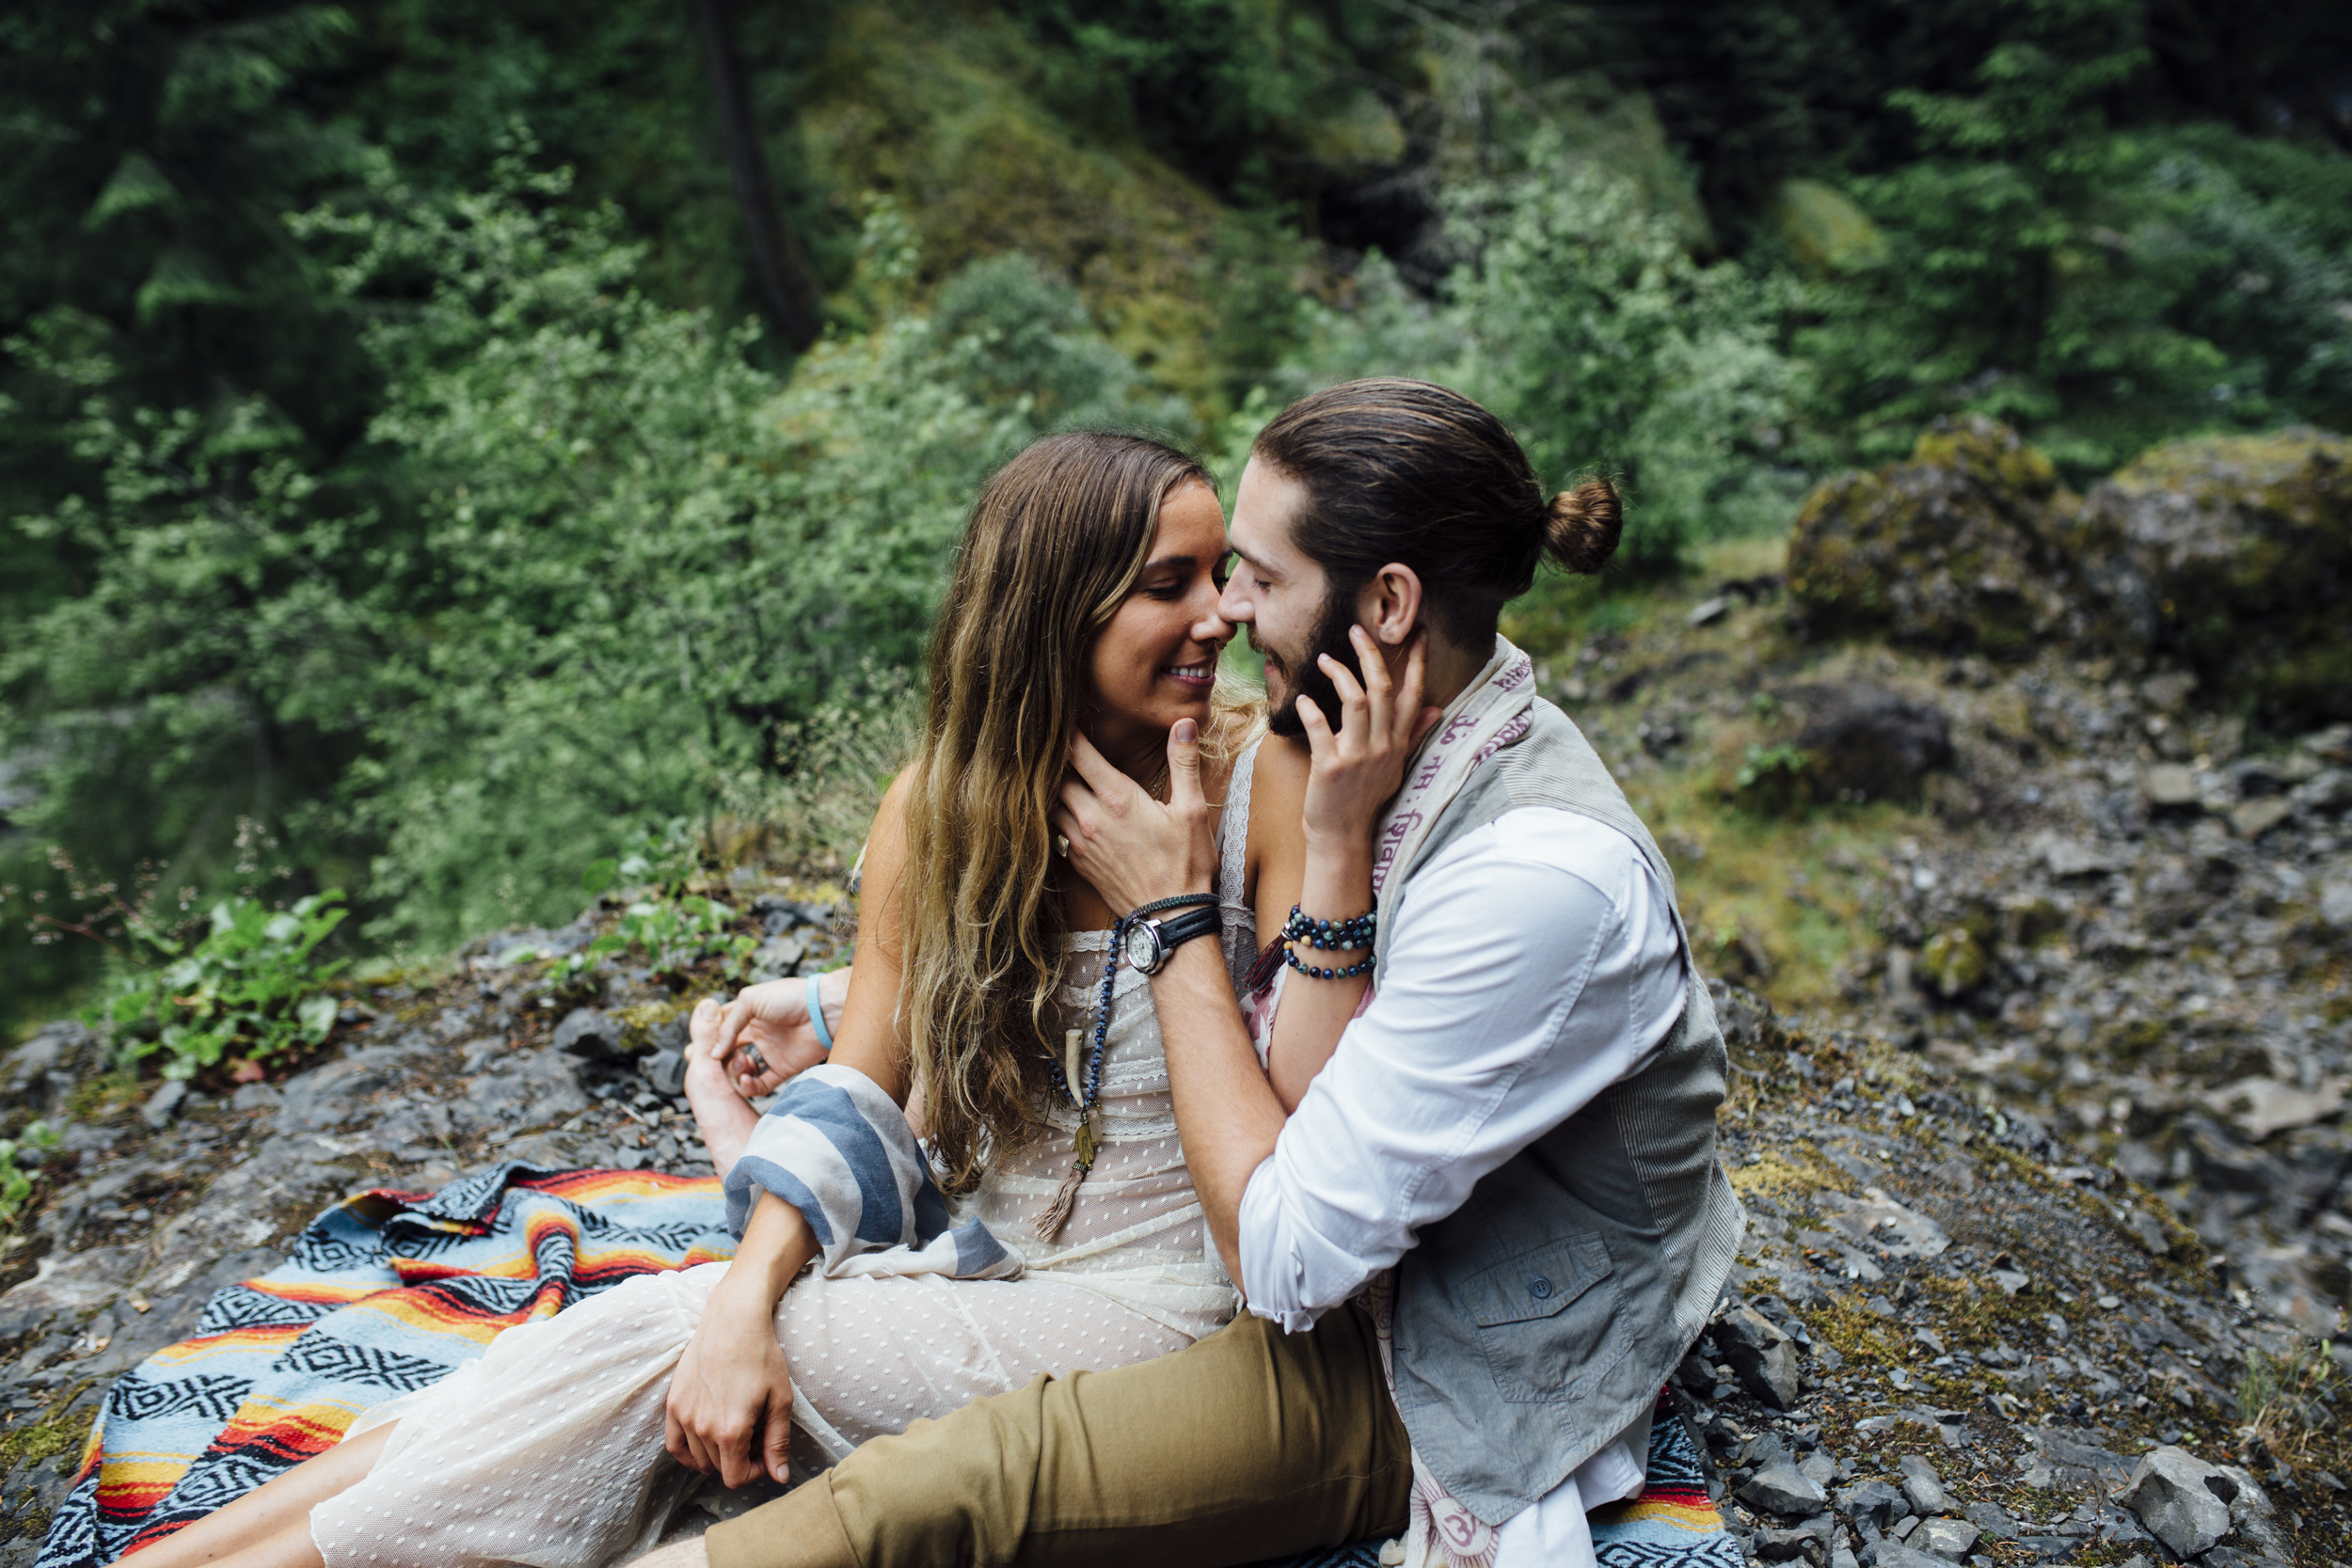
pixel 443 445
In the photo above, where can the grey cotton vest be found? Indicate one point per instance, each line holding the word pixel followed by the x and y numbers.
pixel 1539 1320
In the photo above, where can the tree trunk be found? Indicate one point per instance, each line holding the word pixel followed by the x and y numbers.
pixel 782 271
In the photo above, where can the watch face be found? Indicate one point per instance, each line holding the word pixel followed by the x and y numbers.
pixel 1143 947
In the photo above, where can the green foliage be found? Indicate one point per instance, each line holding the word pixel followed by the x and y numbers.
pixel 2285 1396
pixel 660 556
pixel 674 934
pixel 1760 763
pixel 1773 779
pixel 1228 87
pixel 2099 287
pixel 1584 323
pixel 628 567
pixel 17 1155
pixel 253 983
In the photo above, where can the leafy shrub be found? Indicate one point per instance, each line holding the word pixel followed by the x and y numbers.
pixel 252 982
pixel 1583 323
pixel 1771 778
pixel 610 570
pixel 2102 287
pixel 18 1154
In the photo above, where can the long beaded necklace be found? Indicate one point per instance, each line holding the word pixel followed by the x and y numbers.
pixel 1088 1141
pixel 1049 1225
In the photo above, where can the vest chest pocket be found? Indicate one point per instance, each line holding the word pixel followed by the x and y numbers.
pixel 1541 1320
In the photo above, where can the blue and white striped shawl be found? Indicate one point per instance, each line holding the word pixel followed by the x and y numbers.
pixel 838 1149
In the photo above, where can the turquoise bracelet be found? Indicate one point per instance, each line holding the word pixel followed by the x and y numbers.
pixel 817 1017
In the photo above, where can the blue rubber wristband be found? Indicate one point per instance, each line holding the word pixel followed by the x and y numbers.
pixel 817 1017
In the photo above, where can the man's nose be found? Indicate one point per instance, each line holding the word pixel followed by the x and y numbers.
pixel 1233 606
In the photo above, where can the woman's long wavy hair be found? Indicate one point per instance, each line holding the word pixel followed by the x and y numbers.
pixel 1056 543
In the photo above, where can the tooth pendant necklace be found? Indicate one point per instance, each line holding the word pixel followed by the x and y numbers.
pixel 1082 1081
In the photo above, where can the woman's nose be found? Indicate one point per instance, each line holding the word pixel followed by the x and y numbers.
pixel 1209 621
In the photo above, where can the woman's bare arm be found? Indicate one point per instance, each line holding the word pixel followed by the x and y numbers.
pixel 730 1407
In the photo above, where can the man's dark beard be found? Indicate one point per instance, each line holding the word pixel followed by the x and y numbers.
pixel 1307 679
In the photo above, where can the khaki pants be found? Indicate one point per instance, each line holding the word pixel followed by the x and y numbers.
pixel 1249 1444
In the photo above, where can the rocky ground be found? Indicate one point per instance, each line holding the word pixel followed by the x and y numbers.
pixel 1948 1342
pixel 2116 917
pixel 2104 876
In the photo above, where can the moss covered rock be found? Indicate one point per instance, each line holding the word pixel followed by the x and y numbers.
pixel 1958 550
pixel 939 110
pixel 2233 555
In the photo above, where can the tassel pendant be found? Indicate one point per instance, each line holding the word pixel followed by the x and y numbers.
pixel 1049 1225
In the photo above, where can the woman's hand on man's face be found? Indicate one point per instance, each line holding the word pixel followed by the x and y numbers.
pixel 1130 846
pixel 1356 771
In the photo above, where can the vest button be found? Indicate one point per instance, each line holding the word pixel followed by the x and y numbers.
pixel 1539 1287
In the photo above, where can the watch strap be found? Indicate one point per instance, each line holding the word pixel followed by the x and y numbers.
pixel 1177 902
pixel 1174 932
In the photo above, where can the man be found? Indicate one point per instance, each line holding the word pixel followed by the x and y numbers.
pixel 1495 1221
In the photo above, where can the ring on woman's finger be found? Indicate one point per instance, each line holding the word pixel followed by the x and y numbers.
pixel 759 1062
pixel 1061 846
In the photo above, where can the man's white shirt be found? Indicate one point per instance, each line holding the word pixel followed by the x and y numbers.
pixel 1529 966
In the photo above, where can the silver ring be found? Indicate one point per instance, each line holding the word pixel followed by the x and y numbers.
pixel 759 1063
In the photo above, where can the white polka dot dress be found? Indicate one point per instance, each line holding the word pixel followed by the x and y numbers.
pixel 548 1450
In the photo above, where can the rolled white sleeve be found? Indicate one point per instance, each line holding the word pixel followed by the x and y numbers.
pixel 1533 964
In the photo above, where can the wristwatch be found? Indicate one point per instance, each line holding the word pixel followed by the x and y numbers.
pixel 1147 944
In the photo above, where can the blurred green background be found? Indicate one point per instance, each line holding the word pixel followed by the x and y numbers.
pixel 444 444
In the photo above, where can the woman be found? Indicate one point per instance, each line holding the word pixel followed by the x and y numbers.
pixel 1081 613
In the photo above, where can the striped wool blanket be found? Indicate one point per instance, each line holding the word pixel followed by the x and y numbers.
pixel 389 1292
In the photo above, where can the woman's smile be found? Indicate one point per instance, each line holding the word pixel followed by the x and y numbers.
pixel 1192 677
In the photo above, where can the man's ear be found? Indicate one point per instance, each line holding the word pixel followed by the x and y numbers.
pixel 1389 605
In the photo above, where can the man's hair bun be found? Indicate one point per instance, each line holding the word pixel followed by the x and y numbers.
pixel 1581 528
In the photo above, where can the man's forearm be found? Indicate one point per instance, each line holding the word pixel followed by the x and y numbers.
pixel 1226 1113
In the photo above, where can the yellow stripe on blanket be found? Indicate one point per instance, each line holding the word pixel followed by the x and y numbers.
pixel 1700 1521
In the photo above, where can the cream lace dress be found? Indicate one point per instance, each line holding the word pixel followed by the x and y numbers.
pixel 548 1449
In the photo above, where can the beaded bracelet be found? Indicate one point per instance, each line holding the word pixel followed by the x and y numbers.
pixel 1330 934
pixel 1327 935
pixel 1361 966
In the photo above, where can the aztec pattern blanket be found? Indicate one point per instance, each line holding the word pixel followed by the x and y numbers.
pixel 383 1294
pixel 389 1291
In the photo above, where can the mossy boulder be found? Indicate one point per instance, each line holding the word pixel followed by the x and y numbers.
pixel 1958 550
pixel 1953 961
pixel 2233 555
